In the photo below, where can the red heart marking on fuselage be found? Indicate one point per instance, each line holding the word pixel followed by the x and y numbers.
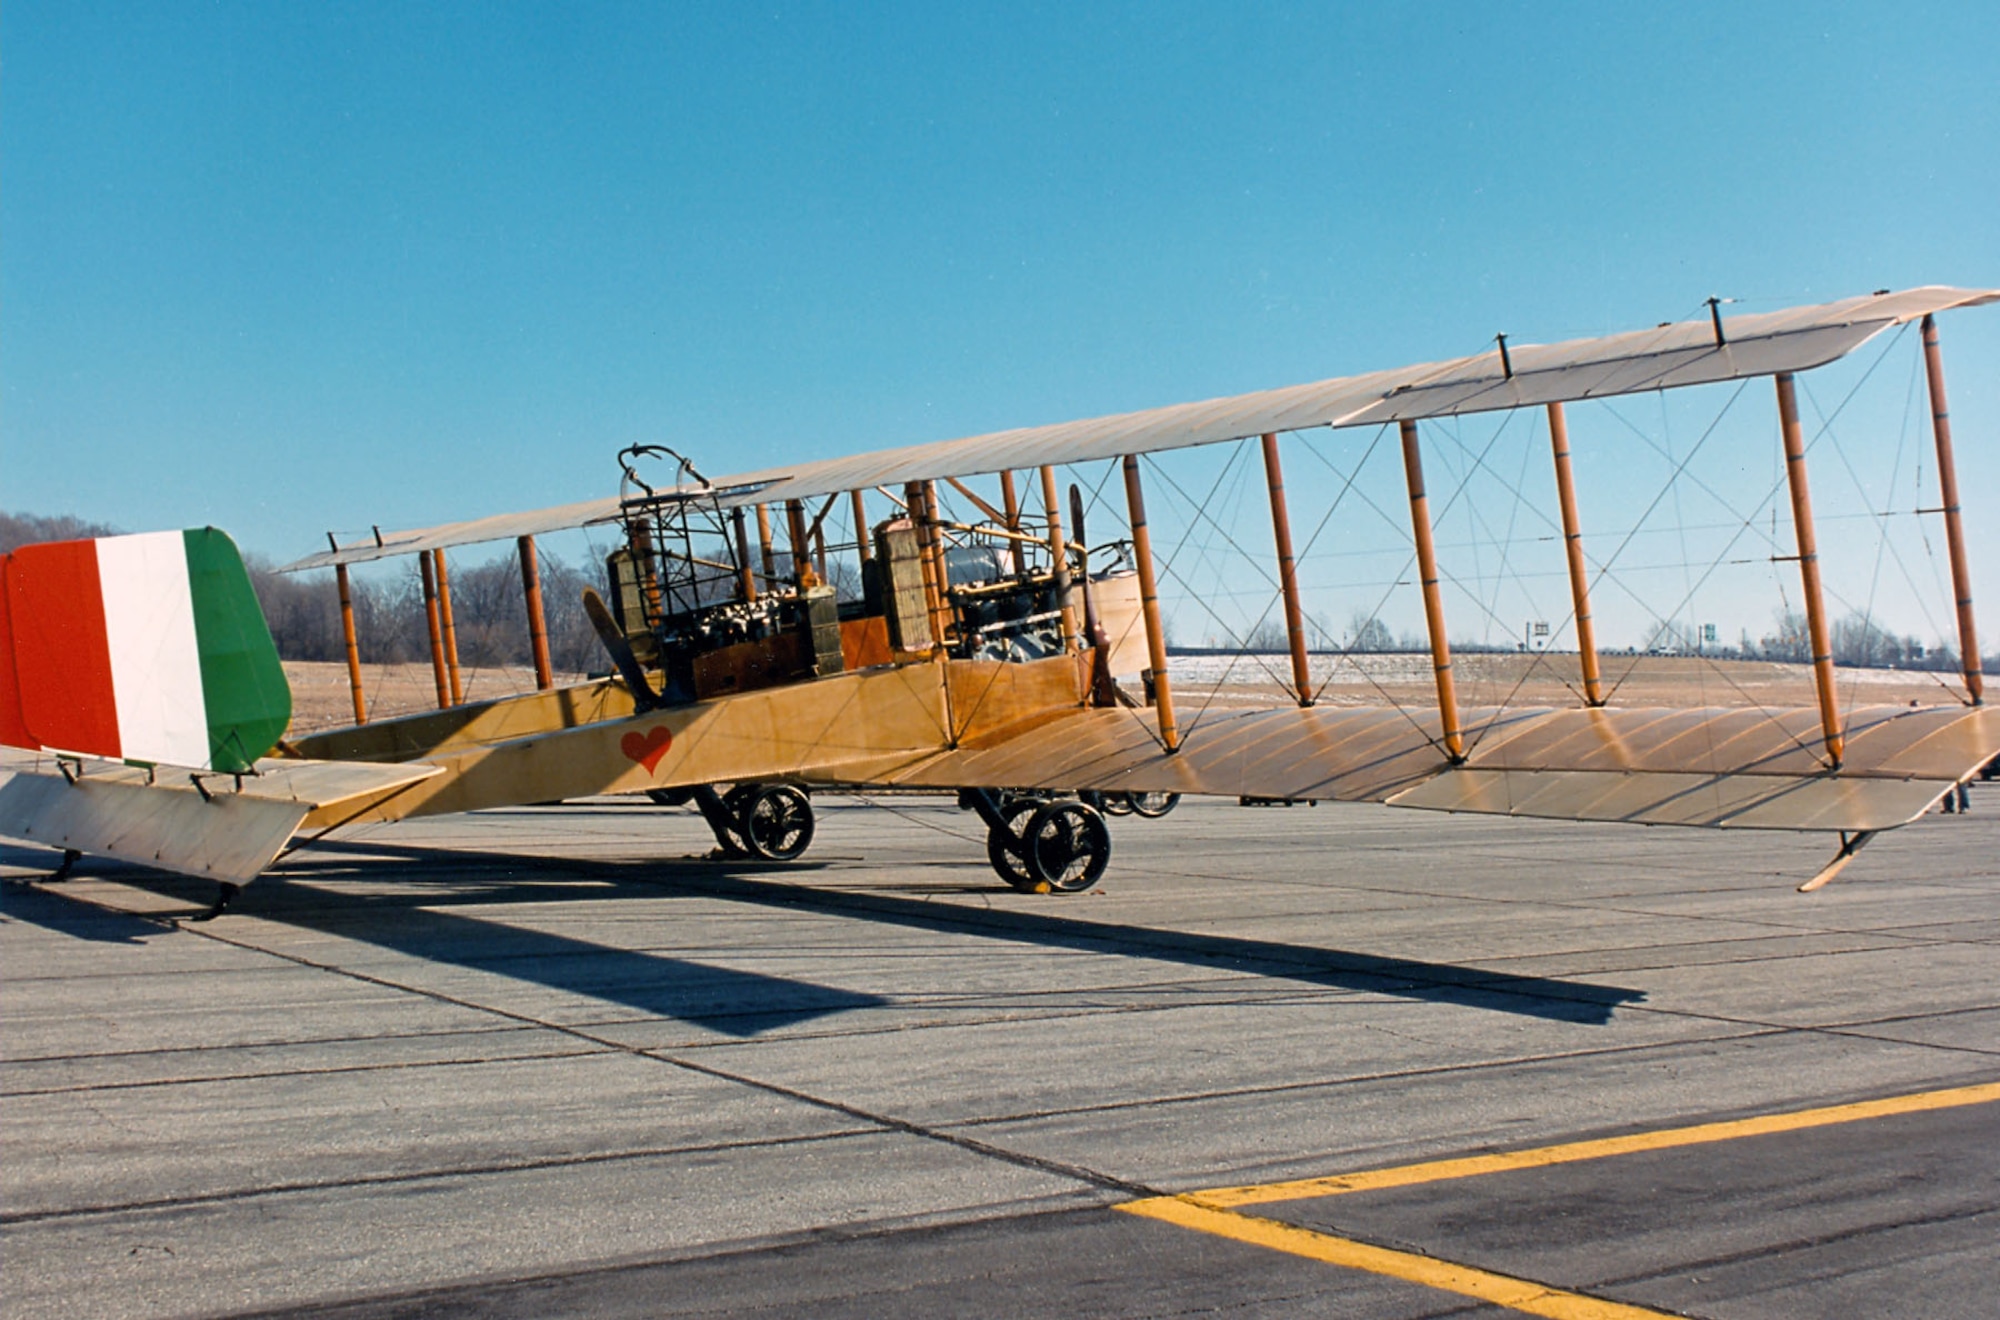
pixel 647 748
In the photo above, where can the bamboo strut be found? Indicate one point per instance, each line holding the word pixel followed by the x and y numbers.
pixel 914 507
pixel 1802 525
pixel 1288 573
pixel 977 503
pixel 940 570
pixel 1427 572
pixel 538 627
pixel 764 543
pixel 1149 604
pixel 450 628
pixel 1010 504
pixel 1579 581
pixel 426 569
pixel 801 545
pixel 1954 534
pixel 353 645
pixel 819 519
pixel 861 546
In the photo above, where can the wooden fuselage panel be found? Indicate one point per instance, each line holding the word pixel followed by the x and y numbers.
pixel 852 727
pixel 475 724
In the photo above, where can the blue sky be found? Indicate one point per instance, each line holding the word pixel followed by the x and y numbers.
pixel 286 268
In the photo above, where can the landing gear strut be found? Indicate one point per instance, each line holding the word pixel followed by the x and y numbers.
pixel 222 901
pixel 1040 846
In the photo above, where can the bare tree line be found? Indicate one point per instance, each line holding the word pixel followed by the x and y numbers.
pixel 19 529
pixel 491 619
pixel 488 607
pixel 1856 642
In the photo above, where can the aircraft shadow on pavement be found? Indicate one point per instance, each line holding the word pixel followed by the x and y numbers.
pixel 468 876
pixel 413 918
pixel 49 908
pixel 722 999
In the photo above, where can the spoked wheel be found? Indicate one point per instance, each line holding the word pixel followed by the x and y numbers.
pixel 1111 804
pixel 1006 849
pixel 1067 846
pixel 1153 805
pixel 774 820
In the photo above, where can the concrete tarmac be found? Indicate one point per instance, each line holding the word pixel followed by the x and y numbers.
pixel 550 1061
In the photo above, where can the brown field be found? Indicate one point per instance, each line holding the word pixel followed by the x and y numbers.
pixel 320 697
pixel 321 700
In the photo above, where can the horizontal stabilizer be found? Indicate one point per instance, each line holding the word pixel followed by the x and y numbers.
pixel 217 831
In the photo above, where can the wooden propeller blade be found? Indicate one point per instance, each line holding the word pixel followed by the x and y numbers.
pixel 614 641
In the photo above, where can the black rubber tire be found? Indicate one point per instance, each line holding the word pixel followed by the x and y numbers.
pixel 1068 845
pixel 1111 804
pixel 1005 850
pixel 1153 805
pixel 775 821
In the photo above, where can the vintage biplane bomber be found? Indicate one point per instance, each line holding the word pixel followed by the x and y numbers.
pixel 140 683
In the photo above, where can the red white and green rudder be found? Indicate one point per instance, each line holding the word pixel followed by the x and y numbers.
pixel 149 649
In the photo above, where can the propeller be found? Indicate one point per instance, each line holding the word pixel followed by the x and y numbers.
pixel 613 637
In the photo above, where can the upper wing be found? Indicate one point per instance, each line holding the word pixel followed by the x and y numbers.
pixel 1665 357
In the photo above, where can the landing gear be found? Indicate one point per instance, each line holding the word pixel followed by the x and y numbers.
pixel 1152 806
pixel 222 901
pixel 776 821
pixel 1004 844
pixel 771 822
pixel 1040 846
pixel 1067 845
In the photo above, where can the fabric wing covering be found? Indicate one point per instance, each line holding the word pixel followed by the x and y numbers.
pixel 1666 357
pixel 1727 767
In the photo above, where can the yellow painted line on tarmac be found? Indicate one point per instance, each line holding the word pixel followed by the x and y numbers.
pixel 1211 1211
pixel 1484 1285
pixel 1410 1175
